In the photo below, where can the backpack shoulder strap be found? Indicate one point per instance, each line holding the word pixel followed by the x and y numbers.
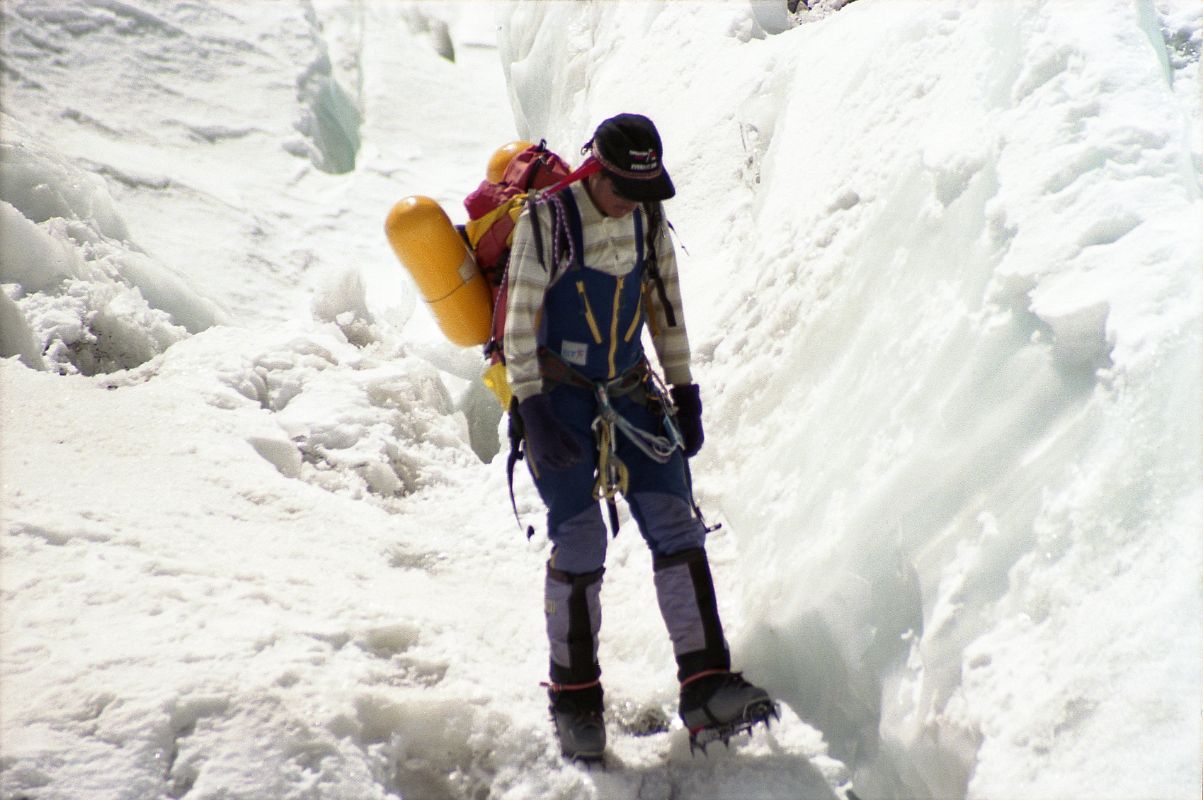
pixel 566 229
pixel 655 219
pixel 640 250
pixel 536 233
pixel 575 228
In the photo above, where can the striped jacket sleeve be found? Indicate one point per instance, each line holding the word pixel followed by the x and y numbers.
pixel 527 285
pixel 671 342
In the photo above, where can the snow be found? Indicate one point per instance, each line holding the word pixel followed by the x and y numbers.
pixel 942 277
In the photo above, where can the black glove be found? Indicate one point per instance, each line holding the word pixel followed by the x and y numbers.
pixel 549 442
pixel 688 401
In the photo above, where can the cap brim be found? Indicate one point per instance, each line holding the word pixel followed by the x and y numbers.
pixel 643 191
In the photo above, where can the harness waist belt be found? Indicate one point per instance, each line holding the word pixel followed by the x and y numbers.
pixel 557 371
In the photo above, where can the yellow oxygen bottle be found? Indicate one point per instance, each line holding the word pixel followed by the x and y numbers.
pixel 429 247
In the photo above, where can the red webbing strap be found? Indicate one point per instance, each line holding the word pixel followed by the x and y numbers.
pixel 703 674
pixel 569 687
pixel 590 166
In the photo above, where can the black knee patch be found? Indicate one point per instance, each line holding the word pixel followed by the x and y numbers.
pixel 573 619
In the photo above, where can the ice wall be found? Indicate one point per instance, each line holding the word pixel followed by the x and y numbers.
pixel 944 296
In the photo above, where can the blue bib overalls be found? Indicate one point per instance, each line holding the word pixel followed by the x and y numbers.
pixel 593 322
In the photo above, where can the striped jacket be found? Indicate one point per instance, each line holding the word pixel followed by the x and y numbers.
pixel 610 248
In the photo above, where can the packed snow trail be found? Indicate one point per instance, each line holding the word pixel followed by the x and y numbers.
pixel 250 548
pixel 942 279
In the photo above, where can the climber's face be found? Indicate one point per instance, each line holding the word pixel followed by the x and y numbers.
pixel 608 201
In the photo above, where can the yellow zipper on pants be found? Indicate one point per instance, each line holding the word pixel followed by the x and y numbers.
pixel 597 337
pixel 614 327
pixel 638 314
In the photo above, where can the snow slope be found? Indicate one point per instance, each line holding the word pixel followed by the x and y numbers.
pixel 942 280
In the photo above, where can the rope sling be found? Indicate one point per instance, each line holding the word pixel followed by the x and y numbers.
pixel 613 477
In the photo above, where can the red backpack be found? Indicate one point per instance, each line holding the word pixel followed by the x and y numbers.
pixel 493 211
pixel 493 208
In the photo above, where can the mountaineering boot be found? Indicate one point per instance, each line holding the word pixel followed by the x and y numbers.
pixel 716 705
pixel 580 726
pixel 573 609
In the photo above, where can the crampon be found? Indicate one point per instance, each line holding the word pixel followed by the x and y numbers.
pixel 762 711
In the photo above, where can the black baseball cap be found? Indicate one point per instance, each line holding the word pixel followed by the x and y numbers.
pixel 629 150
